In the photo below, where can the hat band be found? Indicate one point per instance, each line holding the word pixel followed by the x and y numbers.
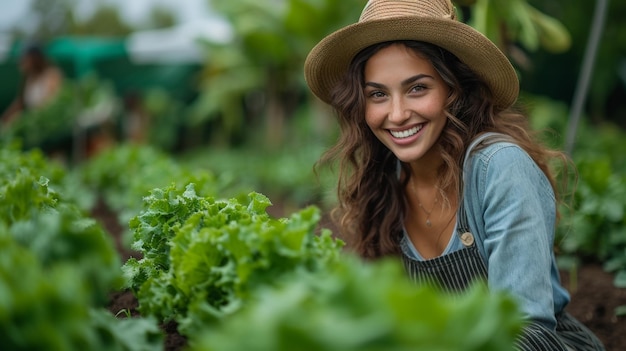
pixel 376 10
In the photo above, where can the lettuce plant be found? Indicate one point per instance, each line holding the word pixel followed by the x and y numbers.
pixel 57 268
pixel 203 257
pixel 365 307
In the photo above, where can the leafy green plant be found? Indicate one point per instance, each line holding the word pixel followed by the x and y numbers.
pixel 50 298
pixel 594 225
pixel 167 116
pixel 56 269
pixel 41 308
pixel 24 180
pixel 51 226
pixel 287 175
pixel 128 334
pixel 365 306
pixel 78 104
pixel 202 257
pixel 48 126
pixel 124 174
pixel 524 24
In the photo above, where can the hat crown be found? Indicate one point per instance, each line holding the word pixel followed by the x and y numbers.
pixel 383 9
pixel 431 21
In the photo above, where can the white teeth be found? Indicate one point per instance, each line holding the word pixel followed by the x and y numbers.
pixel 406 133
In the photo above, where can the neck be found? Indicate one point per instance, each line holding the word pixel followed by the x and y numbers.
pixel 425 171
pixel 424 181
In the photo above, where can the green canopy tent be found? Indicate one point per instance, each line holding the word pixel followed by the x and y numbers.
pixel 109 60
pixel 80 56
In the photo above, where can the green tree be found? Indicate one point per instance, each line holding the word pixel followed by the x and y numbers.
pixel 518 27
pixel 161 17
pixel 52 18
pixel 258 76
pixel 58 18
pixel 105 21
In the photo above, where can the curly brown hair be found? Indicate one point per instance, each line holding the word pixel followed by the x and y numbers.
pixel 371 200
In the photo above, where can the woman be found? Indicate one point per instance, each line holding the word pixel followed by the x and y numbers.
pixel 437 167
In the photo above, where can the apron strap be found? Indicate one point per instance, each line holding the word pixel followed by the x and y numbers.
pixel 463 224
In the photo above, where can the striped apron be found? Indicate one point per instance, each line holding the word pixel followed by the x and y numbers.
pixel 456 271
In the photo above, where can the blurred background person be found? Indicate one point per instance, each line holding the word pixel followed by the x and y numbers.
pixel 136 121
pixel 41 80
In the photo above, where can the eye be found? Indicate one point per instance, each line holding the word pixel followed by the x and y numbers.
pixel 375 94
pixel 418 88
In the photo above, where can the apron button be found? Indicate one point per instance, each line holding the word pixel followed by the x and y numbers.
pixel 467 239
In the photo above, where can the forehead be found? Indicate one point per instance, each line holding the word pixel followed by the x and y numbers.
pixel 397 60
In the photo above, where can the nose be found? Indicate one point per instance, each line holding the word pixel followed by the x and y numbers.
pixel 398 112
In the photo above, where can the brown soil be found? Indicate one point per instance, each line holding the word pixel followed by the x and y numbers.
pixel 594 297
pixel 594 300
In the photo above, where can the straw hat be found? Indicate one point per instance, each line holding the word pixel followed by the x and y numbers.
pixel 432 21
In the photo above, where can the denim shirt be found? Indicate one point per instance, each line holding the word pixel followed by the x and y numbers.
pixel 511 211
pixel 511 208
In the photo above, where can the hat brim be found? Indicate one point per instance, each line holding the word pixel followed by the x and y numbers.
pixel 330 58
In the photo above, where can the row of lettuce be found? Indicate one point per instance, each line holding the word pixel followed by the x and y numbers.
pixel 228 274
pixel 57 267
pixel 90 105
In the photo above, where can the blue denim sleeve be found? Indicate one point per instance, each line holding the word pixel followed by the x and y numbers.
pixel 512 208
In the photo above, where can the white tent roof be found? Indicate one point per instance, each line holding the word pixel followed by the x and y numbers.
pixel 6 44
pixel 179 44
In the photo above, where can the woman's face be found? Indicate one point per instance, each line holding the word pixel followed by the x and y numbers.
pixel 404 102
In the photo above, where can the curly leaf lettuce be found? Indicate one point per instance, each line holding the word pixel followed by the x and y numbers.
pixel 203 257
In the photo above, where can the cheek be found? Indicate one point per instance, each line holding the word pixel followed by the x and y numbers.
pixel 436 108
pixel 372 117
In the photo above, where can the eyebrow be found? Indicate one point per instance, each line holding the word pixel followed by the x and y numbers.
pixel 405 82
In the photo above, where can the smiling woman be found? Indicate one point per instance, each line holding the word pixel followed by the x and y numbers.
pixel 404 101
pixel 438 167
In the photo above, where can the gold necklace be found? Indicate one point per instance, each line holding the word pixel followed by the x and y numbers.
pixel 428 222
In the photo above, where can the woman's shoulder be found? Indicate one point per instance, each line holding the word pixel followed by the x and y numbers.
pixel 498 149
pixel 505 160
pixel 502 164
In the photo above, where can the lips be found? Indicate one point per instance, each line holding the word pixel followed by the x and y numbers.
pixel 401 134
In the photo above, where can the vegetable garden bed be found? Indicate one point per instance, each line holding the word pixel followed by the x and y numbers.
pixel 239 251
pixel 594 296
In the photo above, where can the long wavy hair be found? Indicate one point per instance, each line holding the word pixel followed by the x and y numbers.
pixel 371 201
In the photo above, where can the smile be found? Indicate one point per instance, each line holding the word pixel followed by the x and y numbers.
pixel 406 133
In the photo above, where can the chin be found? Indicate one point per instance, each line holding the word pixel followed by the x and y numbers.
pixel 407 158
